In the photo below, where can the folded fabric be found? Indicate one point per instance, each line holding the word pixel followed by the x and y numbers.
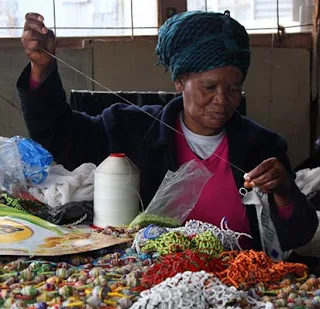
pixel 62 186
pixel 71 213
pixel 308 180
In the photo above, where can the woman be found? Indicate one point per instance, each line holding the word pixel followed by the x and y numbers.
pixel 208 56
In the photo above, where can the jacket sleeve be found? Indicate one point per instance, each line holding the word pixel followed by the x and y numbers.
pixel 299 229
pixel 72 138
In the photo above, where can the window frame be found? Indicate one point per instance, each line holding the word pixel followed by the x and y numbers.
pixel 289 40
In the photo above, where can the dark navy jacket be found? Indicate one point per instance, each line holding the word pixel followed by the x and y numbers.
pixel 75 138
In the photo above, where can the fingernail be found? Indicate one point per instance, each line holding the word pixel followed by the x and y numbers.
pixel 246 177
pixel 44 30
pixel 40 18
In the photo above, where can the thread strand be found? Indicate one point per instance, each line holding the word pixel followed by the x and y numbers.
pixel 129 102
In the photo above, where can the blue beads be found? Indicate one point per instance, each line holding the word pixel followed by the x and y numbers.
pixel 153 231
pixel 41 306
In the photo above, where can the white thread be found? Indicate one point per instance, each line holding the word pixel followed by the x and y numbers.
pixel 116 192
pixel 73 224
pixel 132 188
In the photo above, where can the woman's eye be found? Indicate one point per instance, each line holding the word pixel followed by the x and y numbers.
pixel 235 90
pixel 210 87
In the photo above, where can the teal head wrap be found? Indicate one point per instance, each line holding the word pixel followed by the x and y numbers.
pixel 197 41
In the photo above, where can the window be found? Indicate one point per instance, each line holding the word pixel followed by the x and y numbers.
pixel 72 18
pixel 75 1
pixel 262 16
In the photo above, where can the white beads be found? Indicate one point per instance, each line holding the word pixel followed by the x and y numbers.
pixel 199 290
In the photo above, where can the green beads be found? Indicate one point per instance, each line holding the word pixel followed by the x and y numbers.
pixel 145 219
pixel 208 243
pixel 173 242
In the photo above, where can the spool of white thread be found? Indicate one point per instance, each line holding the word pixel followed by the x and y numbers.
pixel 116 191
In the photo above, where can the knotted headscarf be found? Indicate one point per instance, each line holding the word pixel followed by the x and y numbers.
pixel 198 41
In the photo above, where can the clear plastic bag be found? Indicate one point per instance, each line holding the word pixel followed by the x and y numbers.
pixel 22 161
pixel 11 169
pixel 176 196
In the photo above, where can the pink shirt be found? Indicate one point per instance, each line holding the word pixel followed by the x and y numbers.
pixel 33 84
pixel 220 196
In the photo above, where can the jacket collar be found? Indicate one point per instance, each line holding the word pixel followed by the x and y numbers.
pixel 170 116
pixel 160 134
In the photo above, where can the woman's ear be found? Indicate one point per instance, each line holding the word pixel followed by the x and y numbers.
pixel 179 85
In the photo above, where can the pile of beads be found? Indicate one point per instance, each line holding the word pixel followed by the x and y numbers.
pixel 195 290
pixel 115 279
pixel 144 219
pixel 123 232
pixel 291 293
pixel 250 267
pixel 228 237
pixel 150 232
pixel 170 265
pixel 168 243
pixel 106 282
pixel 181 268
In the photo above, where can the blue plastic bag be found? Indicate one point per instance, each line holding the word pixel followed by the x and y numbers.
pixel 35 159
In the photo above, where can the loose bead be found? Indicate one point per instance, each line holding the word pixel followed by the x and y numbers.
pixel 100 292
pixel 53 280
pixel 41 306
pixel 124 303
pixel 26 274
pixel 29 291
pixel 62 273
pixel 94 301
pixel 66 291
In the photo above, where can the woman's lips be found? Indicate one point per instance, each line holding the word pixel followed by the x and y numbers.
pixel 217 115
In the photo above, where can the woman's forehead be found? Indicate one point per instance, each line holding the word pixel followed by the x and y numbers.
pixel 226 74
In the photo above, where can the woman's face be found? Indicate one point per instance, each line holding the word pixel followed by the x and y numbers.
pixel 210 98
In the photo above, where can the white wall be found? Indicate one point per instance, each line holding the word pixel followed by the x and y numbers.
pixel 277 86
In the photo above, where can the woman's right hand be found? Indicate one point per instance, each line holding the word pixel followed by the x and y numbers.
pixel 36 38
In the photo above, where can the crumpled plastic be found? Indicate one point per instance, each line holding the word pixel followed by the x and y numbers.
pixel 22 162
pixel 35 159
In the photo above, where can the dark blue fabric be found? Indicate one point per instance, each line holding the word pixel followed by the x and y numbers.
pixel 198 41
pixel 75 138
